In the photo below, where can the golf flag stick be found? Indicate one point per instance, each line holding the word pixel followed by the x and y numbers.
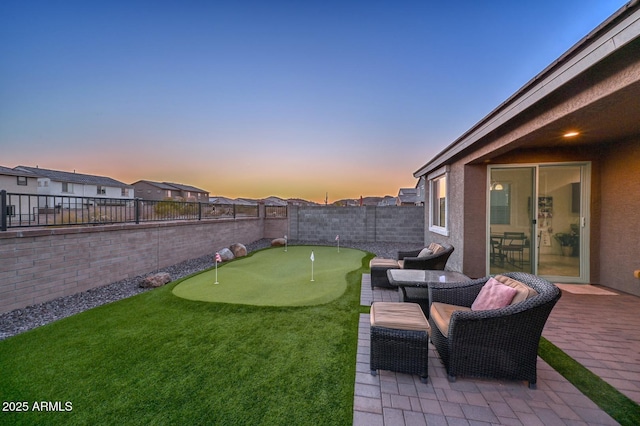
pixel 217 259
pixel 338 240
pixel 312 260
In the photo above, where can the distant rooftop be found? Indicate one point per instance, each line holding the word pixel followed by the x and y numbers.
pixel 172 186
pixel 73 177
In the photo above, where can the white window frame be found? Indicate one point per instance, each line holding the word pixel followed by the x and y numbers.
pixel 67 187
pixel 433 181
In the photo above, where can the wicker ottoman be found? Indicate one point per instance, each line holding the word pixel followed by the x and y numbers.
pixel 379 267
pixel 399 339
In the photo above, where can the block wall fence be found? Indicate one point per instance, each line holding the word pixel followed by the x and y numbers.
pixel 367 223
pixel 41 264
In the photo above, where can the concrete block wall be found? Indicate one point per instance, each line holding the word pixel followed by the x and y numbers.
pixel 368 223
pixel 276 227
pixel 39 265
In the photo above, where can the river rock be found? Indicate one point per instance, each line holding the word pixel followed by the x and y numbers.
pixel 278 242
pixel 226 255
pixel 238 250
pixel 156 280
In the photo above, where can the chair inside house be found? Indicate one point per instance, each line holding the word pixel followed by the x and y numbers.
pixel 497 255
pixel 513 246
pixel 491 326
pixel 433 257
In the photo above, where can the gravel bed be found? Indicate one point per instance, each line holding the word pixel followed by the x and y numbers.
pixel 21 320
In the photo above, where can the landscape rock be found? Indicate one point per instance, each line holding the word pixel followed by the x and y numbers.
pixel 238 250
pixel 278 242
pixel 156 280
pixel 226 255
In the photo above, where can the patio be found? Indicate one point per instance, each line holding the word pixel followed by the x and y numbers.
pixel 610 349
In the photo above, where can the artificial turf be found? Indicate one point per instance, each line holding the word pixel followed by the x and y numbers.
pixel 613 402
pixel 159 359
pixel 275 277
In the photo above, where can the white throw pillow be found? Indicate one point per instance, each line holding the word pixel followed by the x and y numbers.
pixel 425 252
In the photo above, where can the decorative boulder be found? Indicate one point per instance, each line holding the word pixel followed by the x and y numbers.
pixel 278 242
pixel 226 255
pixel 238 249
pixel 156 280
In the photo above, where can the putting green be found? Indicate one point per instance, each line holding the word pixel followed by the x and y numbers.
pixel 275 277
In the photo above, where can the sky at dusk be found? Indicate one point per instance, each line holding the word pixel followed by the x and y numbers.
pixel 259 98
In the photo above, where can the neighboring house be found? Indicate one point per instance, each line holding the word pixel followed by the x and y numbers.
pixel 221 200
pixel 387 200
pixel 65 189
pixel 275 201
pixel 245 202
pixel 17 182
pixel 560 156
pixel 420 191
pixel 407 197
pixel 149 190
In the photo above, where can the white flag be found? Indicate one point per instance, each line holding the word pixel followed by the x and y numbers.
pixel 312 257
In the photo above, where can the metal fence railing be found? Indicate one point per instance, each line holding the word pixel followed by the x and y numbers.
pixel 275 211
pixel 29 210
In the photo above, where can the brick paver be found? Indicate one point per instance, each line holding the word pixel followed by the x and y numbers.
pixel 401 399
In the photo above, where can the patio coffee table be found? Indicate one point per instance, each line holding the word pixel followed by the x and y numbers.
pixel 413 284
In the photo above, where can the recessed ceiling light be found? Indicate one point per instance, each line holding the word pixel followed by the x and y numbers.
pixel 571 134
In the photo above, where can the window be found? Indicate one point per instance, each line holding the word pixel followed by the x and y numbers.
pixel 438 205
pixel 102 190
pixel 66 187
pixel 22 180
pixel 124 192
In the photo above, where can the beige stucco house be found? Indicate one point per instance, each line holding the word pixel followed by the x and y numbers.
pixel 559 161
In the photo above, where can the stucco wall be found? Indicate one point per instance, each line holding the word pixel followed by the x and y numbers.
pixel 619 240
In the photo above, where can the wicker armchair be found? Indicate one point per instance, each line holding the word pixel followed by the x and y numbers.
pixel 434 262
pixel 407 260
pixel 499 343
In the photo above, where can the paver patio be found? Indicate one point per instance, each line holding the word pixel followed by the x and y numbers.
pixel 609 348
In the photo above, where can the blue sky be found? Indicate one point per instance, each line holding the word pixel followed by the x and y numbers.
pixel 250 98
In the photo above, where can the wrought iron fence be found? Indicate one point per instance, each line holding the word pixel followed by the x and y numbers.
pixel 275 211
pixel 29 210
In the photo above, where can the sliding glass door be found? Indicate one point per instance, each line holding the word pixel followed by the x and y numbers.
pixel 511 190
pixel 538 220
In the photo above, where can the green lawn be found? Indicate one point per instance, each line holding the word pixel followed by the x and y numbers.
pixel 159 359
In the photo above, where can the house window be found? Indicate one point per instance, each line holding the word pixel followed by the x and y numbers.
pixel 438 202
pixel 22 180
pixel 66 187
pixel 102 190
pixel 124 192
